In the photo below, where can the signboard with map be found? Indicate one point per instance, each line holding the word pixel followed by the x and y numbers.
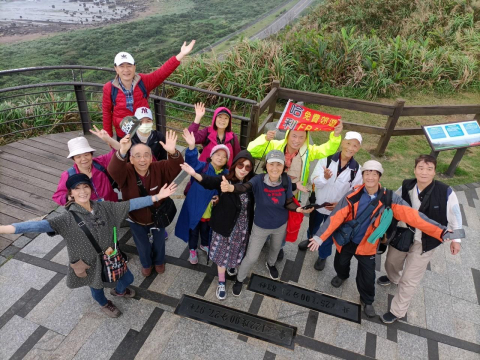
pixel 453 135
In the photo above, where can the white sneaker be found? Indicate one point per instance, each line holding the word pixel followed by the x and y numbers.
pixel 221 292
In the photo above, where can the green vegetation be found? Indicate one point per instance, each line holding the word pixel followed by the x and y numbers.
pixel 357 48
pixel 151 40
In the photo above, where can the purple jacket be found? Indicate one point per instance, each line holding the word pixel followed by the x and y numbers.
pixel 208 137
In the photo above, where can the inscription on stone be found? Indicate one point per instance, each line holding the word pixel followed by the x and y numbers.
pixel 307 298
pixel 239 321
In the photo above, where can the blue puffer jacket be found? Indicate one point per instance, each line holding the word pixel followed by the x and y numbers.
pixel 197 198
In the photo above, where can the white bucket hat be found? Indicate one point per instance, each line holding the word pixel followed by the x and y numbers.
pixel 78 145
pixel 372 165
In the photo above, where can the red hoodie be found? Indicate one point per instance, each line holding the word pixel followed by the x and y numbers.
pixel 210 133
pixel 114 115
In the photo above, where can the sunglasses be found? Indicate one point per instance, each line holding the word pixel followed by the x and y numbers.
pixel 247 167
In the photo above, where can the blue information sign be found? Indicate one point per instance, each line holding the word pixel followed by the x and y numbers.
pixel 453 135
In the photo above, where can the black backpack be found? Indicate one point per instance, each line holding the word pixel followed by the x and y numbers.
pixel 71 171
pixel 352 173
pixel 114 93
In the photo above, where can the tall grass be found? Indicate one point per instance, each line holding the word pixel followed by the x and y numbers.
pixel 356 48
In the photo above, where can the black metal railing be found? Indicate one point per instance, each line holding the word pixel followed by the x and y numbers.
pixel 72 101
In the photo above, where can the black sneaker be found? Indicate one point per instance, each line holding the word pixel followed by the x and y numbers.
pixel 237 288
pixel 320 264
pixel 337 282
pixel 369 310
pixel 388 318
pixel 272 270
pixel 303 245
pixel 383 281
pixel 281 255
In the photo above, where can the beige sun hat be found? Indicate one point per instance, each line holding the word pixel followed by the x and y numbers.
pixel 78 145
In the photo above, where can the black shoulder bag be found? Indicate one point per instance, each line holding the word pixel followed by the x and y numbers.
pixel 165 213
pixel 113 267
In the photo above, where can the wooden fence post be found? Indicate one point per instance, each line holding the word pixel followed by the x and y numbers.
pixel 252 131
pixel 83 109
pixel 391 123
pixel 273 104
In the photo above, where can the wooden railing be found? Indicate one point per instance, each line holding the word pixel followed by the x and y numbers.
pixel 392 111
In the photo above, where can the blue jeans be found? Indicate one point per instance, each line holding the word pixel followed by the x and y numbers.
pixel 121 287
pixel 202 228
pixel 150 254
pixel 325 250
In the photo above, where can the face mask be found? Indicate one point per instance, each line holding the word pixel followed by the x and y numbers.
pixel 145 128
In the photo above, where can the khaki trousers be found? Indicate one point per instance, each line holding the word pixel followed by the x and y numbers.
pixel 407 270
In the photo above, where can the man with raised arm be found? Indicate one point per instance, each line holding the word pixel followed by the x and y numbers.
pixel 141 171
pixel 129 90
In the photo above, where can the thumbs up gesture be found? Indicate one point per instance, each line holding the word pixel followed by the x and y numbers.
pixel 225 185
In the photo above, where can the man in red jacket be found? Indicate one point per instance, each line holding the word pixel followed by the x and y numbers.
pixel 129 90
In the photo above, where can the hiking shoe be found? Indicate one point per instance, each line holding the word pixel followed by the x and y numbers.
pixel 320 264
pixel 383 281
pixel 232 271
pixel 388 318
pixel 272 271
pixel 129 293
pixel 281 255
pixel 337 282
pixel 193 258
pixel 204 248
pixel 147 271
pixel 221 292
pixel 237 288
pixel 160 269
pixel 303 245
pixel 111 310
pixel 369 310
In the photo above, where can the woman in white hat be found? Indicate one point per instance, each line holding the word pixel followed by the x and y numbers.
pixel 81 153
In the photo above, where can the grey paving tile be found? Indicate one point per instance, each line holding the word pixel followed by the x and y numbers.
pixel 159 337
pixel 416 313
pixel 466 310
pixel 41 245
pixel 3 260
pixel 66 315
pixel 374 328
pixel 163 281
pixel 293 315
pixel 386 349
pixel 208 347
pixel 10 251
pixel 351 338
pixel 187 282
pixel 16 278
pixel 411 347
pixel 111 332
pixel 437 282
pixel 446 352
pixel 439 312
pixel 61 257
pixel 87 325
pixel 44 348
pixel 461 283
pixel 48 304
pixel 326 330
pixel 465 330
pixel 14 334
pixel 21 241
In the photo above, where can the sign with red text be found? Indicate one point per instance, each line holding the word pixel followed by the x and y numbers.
pixel 301 118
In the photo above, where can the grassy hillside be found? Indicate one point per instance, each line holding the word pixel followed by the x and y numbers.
pixel 357 48
pixel 151 40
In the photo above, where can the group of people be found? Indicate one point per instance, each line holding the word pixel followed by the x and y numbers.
pixel 232 210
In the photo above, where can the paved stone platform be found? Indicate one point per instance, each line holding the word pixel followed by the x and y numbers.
pixel 40 318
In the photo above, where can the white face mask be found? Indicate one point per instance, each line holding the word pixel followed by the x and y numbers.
pixel 146 128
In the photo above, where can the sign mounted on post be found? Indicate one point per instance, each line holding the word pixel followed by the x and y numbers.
pixel 453 135
pixel 301 118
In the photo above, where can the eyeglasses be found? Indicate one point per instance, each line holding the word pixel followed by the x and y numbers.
pixel 247 167
pixel 144 156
